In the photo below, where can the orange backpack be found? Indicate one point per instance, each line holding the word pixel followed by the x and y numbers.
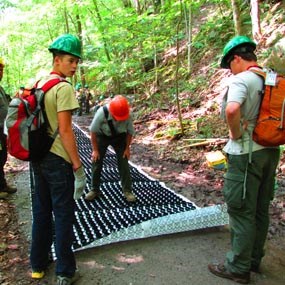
pixel 270 125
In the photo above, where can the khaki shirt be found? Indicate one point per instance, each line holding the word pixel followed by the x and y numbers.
pixel 59 98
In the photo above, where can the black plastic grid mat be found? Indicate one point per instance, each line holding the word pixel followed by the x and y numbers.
pixel 111 212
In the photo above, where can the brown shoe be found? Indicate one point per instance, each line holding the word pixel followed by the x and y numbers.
pixel 221 271
pixel 3 195
pixel 9 189
pixel 92 195
pixel 130 197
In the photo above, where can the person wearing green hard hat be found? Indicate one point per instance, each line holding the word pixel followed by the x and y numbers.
pixel 66 44
pixel 237 45
pixel 250 178
pixel 78 86
pixel 59 178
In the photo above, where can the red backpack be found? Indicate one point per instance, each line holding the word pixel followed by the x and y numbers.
pixel 26 123
pixel 270 125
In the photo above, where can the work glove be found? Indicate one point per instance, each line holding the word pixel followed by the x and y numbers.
pixel 79 182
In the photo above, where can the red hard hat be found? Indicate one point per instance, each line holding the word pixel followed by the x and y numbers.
pixel 119 108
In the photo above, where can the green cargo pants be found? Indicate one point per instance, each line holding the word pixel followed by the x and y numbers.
pixel 248 189
pixel 119 145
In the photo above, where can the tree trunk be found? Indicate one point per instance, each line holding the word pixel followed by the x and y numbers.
pixel 157 5
pixel 100 20
pixel 236 16
pixel 188 24
pixel 255 19
pixel 66 19
pixel 155 66
pixel 127 3
pixel 177 72
pixel 79 32
pixel 137 6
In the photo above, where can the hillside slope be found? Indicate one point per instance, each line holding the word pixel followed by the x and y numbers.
pixel 180 160
pixel 161 151
pixel 200 106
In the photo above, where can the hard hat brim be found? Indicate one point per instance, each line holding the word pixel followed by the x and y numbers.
pixel 121 118
pixel 242 48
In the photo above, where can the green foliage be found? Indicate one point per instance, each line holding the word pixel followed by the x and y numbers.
pixel 218 26
pixel 205 129
pixel 120 45
pixel 5 4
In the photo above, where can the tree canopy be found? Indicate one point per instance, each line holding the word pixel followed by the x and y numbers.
pixel 128 45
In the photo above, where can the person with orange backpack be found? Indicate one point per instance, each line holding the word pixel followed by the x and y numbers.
pixel 250 178
pixel 112 125
pixel 5 189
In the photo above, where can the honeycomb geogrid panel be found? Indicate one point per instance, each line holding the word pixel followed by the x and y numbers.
pixel 157 211
pixel 111 212
pixel 111 218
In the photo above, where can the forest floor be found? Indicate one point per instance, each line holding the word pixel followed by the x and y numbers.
pixel 191 178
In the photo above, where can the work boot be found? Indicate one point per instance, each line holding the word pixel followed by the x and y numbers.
pixel 37 274
pixel 3 195
pixel 92 195
pixel 63 280
pixel 221 271
pixel 130 197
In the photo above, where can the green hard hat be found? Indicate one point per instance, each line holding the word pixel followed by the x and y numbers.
pixel 237 44
pixel 66 43
pixel 78 86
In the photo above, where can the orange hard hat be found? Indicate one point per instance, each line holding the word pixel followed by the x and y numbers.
pixel 119 108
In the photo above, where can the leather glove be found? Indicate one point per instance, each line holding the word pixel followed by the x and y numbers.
pixel 79 182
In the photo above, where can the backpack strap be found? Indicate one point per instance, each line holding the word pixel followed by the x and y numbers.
pixel 258 71
pixel 261 73
pixel 50 83
pixel 110 123
pixel 46 87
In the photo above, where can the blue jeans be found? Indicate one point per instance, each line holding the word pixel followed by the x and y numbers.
pixel 53 203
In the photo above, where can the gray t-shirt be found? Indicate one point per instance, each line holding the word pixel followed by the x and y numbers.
pixel 100 125
pixel 244 88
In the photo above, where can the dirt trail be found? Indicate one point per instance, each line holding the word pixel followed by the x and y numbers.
pixel 165 260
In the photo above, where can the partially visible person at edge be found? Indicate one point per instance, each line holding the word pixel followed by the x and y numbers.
pixel 119 118
pixel 249 181
pixel 59 177
pixel 5 189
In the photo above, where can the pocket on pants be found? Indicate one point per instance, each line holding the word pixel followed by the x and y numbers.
pixel 233 190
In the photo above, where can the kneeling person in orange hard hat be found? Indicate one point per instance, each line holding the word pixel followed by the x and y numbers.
pixel 112 125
